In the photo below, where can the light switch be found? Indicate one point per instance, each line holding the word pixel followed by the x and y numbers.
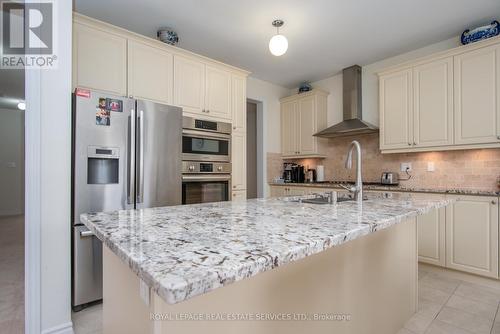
pixel 430 166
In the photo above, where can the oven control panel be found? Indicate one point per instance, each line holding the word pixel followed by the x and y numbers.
pixel 198 167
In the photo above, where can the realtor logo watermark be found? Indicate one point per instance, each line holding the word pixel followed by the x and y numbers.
pixel 28 35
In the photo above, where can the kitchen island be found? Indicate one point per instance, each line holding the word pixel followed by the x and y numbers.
pixel 262 266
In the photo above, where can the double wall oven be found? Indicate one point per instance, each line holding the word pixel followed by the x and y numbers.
pixel 206 161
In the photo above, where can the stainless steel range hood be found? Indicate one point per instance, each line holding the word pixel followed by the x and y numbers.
pixel 352 123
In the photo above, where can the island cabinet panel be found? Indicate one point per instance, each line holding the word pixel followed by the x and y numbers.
pixel 477 94
pixel 239 161
pixel 217 92
pixel 433 103
pixel 189 84
pixel 396 110
pixel 472 235
pixel 150 73
pixel 99 60
pixel 431 237
pixel 351 280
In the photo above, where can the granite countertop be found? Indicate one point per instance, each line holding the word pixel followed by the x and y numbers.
pixel 399 188
pixel 184 251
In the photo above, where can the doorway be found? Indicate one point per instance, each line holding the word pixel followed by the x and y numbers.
pixel 12 107
pixel 252 150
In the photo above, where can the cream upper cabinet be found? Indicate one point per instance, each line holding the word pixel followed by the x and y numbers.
pixel 99 60
pixel 150 73
pixel 431 237
pixel 189 84
pixel 217 92
pixel 472 235
pixel 303 115
pixel 307 125
pixel 396 110
pixel 477 94
pixel 433 103
pixel 239 103
pixel 446 101
pixel 289 128
pixel 239 161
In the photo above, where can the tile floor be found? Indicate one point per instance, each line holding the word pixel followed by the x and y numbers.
pixel 12 274
pixel 449 303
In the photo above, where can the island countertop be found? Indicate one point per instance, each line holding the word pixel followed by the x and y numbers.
pixel 184 251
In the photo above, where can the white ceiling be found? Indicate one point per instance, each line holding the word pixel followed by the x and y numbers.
pixel 324 35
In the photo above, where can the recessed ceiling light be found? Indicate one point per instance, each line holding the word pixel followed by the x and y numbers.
pixel 21 106
pixel 278 43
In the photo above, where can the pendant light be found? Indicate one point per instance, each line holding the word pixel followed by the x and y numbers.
pixel 278 43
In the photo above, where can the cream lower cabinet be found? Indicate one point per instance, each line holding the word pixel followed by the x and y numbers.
pixel 99 60
pixel 302 115
pixel 239 195
pixel 150 73
pixel 472 235
pixel 238 161
pixel 431 237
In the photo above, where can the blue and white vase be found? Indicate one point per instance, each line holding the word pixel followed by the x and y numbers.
pixel 480 33
pixel 168 35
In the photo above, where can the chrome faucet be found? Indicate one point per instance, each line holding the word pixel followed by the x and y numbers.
pixel 357 189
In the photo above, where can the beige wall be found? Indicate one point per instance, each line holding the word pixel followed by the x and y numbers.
pixel 465 169
pixel 333 84
pixel 468 169
pixel 11 162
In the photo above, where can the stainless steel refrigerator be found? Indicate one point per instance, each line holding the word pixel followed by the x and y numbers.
pixel 126 155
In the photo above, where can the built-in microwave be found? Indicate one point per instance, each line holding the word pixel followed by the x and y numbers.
pixel 204 140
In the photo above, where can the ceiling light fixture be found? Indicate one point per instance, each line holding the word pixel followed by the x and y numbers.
pixel 21 106
pixel 278 43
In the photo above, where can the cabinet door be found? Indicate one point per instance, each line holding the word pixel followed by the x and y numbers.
pixel 289 133
pixel 277 191
pixel 99 60
pixel 396 110
pixel 433 103
pixel 218 92
pixel 296 191
pixel 239 161
pixel 477 92
pixel 472 235
pixel 239 103
pixel 239 195
pixel 431 237
pixel 150 73
pixel 189 84
pixel 306 125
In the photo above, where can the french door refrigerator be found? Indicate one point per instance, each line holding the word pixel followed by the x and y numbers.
pixel 126 155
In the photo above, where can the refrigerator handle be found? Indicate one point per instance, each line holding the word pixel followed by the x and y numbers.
pixel 131 158
pixel 140 190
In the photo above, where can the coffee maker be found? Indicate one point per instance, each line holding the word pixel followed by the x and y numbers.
pixel 287 171
pixel 293 173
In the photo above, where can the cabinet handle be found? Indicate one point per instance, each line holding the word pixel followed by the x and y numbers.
pixel 493 202
pixel 498 137
pixel 414 143
pixel 208 110
pixel 409 144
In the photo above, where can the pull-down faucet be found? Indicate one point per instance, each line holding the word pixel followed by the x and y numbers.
pixel 357 189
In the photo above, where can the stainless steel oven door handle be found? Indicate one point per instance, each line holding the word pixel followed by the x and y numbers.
pixel 131 161
pixel 140 187
pixel 201 178
pixel 205 134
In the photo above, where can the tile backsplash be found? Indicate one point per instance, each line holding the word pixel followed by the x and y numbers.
pixel 464 169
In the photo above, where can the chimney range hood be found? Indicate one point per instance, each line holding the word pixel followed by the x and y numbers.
pixel 352 123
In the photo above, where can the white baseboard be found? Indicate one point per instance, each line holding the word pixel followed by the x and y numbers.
pixel 66 328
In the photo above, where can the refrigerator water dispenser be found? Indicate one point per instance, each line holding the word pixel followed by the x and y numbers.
pixel 103 165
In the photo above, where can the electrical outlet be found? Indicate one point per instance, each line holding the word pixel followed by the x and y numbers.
pixel 406 166
pixel 430 166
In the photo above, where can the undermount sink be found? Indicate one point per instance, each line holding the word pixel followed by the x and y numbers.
pixel 325 200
